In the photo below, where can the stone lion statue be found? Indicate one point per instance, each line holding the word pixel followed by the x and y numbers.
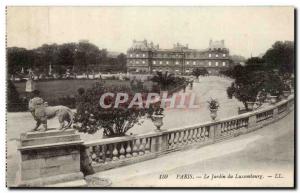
pixel 41 112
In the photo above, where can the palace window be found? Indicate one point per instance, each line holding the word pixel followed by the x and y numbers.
pixel 194 62
pixel 130 55
pixel 224 55
pixel 209 63
pixel 144 55
pixel 224 63
pixel 217 63
pixel 137 62
pixel 187 62
pixel 176 62
pixel 167 62
pixel 154 62
pixel 217 55
pixel 143 61
pixel 209 55
pixel 137 55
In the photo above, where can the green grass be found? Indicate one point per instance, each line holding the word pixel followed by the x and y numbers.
pixel 50 90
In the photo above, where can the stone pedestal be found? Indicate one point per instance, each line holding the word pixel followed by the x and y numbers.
pixel 159 143
pixel 50 158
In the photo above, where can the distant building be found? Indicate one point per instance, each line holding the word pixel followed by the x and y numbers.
pixel 145 57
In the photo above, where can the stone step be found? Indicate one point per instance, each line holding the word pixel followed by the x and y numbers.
pixel 49 140
pixel 52 180
pixel 48 133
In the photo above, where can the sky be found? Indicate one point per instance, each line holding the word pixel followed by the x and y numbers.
pixel 246 30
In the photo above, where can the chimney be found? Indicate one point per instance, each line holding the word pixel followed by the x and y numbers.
pixel 223 42
pixel 210 42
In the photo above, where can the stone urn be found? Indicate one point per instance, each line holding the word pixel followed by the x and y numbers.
pixel 286 94
pixel 273 99
pixel 213 114
pixel 158 121
pixel 250 105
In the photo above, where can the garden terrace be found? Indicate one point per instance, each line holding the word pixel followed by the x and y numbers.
pixel 114 152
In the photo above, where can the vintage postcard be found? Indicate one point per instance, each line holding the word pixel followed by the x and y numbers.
pixel 150 97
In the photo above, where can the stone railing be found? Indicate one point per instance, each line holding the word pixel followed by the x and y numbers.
pixel 114 152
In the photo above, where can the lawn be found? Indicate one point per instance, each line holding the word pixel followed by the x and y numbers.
pixel 54 89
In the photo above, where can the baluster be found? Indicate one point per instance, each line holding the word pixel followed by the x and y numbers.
pixel 190 135
pixel 175 140
pixel 185 137
pixel 202 133
pixel 237 124
pixel 93 154
pixel 98 153
pixel 142 147
pixel 135 148
pixel 108 154
pixel 147 146
pixel 199 133
pixel 223 125
pixel 122 151
pixel 194 138
pixel 180 139
pixel 226 128
pixel 170 142
pixel 128 150
pixel 115 153
pixel 206 133
pixel 233 126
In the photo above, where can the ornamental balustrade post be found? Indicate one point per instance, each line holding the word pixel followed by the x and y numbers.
pixel 252 121
pixel 215 131
pixel 212 131
pixel 159 143
pixel 290 104
pixel 50 158
pixel 275 113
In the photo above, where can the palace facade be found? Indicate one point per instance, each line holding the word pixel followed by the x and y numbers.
pixel 145 57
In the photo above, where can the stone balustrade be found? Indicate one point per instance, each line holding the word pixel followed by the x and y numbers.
pixel 104 154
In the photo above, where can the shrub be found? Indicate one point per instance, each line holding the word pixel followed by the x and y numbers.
pixel 213 104
pixel 91 117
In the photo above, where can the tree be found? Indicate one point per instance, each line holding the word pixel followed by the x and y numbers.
pixel 164 80
pixel 250 83
pixel 255 61
pixel 199 72
pixel 78 57
pixel 121 61
pixel 281 57
pixel 14 103
pixel 18 58
pixel 115 121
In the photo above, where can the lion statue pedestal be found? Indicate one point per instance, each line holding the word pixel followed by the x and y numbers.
pixel 50 158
